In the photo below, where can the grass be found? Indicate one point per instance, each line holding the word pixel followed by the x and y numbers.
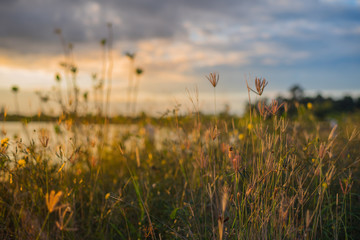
pixel 254 177
pixel 261 176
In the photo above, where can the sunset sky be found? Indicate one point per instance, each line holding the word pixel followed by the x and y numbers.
pixel 314 43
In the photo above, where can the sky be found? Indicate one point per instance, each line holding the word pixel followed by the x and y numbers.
pixel 313 43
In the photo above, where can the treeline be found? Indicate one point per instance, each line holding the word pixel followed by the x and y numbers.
pixel 321 107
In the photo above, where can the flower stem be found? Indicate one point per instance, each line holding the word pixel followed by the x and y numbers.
pixel 42 228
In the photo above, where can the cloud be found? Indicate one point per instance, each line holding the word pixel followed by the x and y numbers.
pixel 179 41
pixel 28 26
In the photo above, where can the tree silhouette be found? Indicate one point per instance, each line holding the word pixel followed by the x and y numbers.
pixel 15 90
pixel 297 92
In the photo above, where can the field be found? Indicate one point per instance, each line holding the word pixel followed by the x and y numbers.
pixel 265 175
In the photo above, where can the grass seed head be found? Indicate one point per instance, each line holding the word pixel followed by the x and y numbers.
pixel 262 109
pixel 260 84
pixel 52 200
pixel 44 137
pixel 213 78
pixel 274 107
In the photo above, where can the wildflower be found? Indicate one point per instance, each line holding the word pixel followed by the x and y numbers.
pixel 4 145
pixel 21 163
pixel 324 185
pixel 250 126
pixel 4 142
pixel 241 136
pixel 52 200
pixel 309 105
pixel 107 196
pixel 213 78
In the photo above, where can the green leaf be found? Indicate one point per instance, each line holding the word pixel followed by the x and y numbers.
pixel 173 213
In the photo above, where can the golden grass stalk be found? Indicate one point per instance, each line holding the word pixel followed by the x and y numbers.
pixel 52 200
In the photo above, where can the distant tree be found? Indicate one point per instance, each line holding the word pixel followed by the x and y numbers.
pixel 15 90
pixel 297 92
pixel 358 103
pixel 319 98
pixel 346 104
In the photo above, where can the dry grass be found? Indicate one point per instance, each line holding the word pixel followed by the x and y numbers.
pixel 261 176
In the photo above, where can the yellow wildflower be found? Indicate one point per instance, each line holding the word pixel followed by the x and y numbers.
pixel 107 196
pixel 309 105
pixel 21 163
pixel 4 142
pixel 249 126
pixel 241 136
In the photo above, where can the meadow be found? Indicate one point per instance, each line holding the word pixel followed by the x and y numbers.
pixel 265 175
pixel 261 176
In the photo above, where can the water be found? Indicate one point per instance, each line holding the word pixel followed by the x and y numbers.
pixel 17 131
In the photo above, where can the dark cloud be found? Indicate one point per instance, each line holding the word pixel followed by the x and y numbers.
pixel 27 26
pixel 34 21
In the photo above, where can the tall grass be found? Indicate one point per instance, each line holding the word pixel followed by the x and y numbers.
pixel 261 176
